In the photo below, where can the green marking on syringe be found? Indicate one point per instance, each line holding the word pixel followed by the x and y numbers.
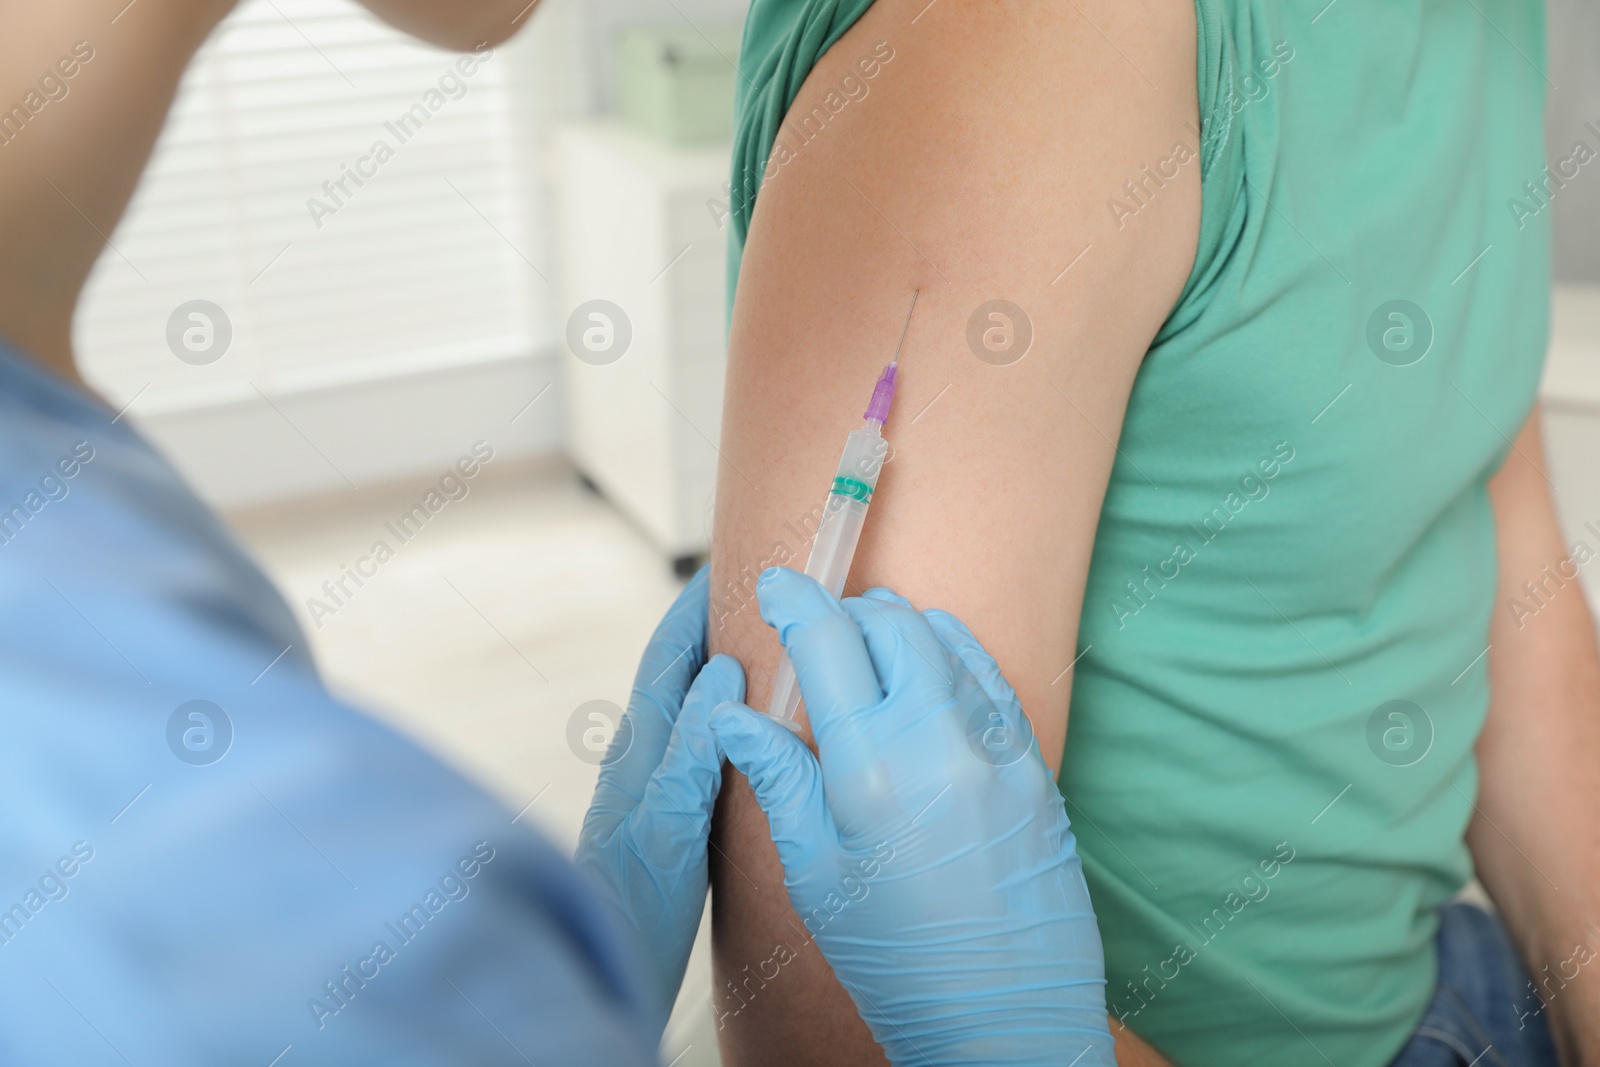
pixel 853 488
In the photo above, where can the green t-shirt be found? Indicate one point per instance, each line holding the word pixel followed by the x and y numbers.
pixel 1270 763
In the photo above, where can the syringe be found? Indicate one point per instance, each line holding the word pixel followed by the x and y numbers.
pixel 843 515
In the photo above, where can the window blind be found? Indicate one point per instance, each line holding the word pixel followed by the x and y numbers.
pixel 347 197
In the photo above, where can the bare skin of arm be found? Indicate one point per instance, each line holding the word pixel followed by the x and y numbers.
pixel 978 168
pixel 1535 839
pixel 66 177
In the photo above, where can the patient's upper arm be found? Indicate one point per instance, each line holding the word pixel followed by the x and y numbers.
pixel 979 167
pixel 976 169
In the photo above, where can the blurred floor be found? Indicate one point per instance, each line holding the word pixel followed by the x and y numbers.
pixel 484 633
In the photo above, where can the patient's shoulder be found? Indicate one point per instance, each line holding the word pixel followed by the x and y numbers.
pixel 995 142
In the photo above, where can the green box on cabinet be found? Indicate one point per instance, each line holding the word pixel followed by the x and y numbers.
pixel 676 83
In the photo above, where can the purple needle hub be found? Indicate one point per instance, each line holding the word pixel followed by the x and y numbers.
pixel 883 394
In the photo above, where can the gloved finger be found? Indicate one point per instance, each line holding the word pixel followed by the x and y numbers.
pixel 828 652
pixel 997 729
pixel 669 826
pixel 883 592
pixel 788 785
pixel 955 636
pixel 671 661
pixel 886 595
pixel 910 661
pixel 676 650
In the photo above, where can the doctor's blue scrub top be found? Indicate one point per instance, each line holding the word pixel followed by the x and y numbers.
pixel 204 861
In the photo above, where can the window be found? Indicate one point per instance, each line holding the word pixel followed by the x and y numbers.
pixel 349 199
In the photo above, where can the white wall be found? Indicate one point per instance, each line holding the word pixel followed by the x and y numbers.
pixel 1574 67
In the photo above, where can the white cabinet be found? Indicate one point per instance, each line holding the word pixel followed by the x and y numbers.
pixel 1570 398
pixel 641 317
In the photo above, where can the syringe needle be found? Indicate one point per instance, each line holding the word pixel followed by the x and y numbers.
pixel 907 328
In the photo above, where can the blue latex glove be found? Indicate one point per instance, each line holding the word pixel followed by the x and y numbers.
pixel 645 833
pixel 926 848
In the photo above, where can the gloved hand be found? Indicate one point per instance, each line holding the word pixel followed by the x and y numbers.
pixel 926 847
pixel 645 832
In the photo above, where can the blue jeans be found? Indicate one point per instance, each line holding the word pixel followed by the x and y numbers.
pixel 1484 1012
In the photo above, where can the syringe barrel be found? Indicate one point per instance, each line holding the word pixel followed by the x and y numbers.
pixel 834 549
